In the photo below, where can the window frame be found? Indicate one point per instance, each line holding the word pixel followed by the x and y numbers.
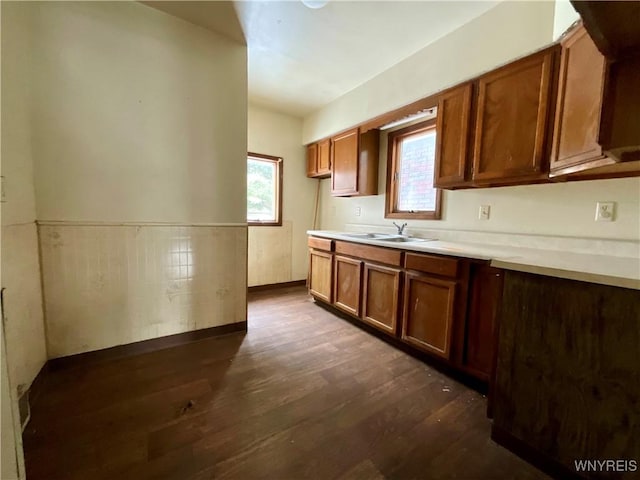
pixel 391 202
pixel 279 167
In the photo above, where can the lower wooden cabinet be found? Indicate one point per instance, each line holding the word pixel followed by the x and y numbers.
pixel 444 306
pixel 481 326
pixel 346 284
pixel 428 313
pixel 320 274
pixel 381 291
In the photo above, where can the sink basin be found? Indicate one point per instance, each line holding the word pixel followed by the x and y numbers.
pixel 368 235
pixel 404 239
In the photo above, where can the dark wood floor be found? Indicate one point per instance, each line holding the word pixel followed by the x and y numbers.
pixel 303 395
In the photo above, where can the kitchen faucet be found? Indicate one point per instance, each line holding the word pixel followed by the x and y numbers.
pixel 400 227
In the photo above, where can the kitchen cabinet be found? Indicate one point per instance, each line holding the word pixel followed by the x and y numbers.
pixel 381 291
pixel 452 139
pixel 318 160
pixel 320 268
pixel 354 165
pixel 579 104
pixel 482 318
pixel 430 307
pixel 428 313
pixel 514 108
pixel 443 306
pixel 346 286
pixel 324 158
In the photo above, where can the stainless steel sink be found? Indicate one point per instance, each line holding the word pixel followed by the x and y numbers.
pixel 368 235
pixel 405 239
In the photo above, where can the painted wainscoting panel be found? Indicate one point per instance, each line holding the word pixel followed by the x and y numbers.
pixel 24 325
pixel 270 254
pixel 116 284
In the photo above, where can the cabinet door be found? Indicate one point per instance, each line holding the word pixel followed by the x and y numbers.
pixel 512 120
pixel 452 136
pixel 580 91
pixel 484 298
pixel 428 313
pixel 312 160
pixel 320 270
pixel 344 175
pixel 324 158
pixel 346 284
pixel 381 297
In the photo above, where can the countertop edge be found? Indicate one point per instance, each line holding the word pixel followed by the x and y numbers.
pixel 508 262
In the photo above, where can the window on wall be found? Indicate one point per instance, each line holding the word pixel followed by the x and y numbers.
pixel 410 173
pixel 264 189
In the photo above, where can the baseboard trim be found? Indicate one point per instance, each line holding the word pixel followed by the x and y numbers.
pixel 543 462
pixel 144 346
pixel 273 286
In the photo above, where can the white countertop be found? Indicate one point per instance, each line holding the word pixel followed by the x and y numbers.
pixel 603 269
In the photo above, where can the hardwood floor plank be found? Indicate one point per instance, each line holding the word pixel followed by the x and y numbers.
pixel 303 394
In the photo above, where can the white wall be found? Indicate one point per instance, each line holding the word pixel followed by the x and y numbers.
pixel 510 30
pixel 279 254
pixel 564 16
pixel 24 326
pixel 137 116
pixel 138 137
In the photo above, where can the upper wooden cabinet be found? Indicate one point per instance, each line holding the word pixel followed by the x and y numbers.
pixel 324 158
pixel 579 103
pixel 318 159
pixel 452 138
pixel 354 166
pixel 514 104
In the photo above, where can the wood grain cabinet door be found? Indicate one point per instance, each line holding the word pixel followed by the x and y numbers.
pixel 312 160
pixel 346 284
pixel 381 293
pixel 580 92
pixel 324 158
pixel 452 136
pixel 320 274
pixel 512 120
pixel 428 313
pixel 344 174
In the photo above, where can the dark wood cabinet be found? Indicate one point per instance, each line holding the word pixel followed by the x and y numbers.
pixel 354 163
pixel 514 106
pixel 346 284
pixel 428 313
pixel 381 293
pixel 579 104
pixel 318 160
pixel 444 306
pixel 480 330
pixel 452 139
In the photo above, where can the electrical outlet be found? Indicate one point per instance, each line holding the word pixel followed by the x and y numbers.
pixel 358 211
pixel 605 211
pixel 484 212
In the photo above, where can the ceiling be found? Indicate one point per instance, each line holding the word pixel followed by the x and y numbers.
pixel 301 59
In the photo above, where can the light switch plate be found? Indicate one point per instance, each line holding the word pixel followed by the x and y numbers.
pixel 605 211
pixel 484 212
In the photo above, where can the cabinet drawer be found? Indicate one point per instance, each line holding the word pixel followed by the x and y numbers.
pixel 447 267
pixel 367 252
pixel 321 243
